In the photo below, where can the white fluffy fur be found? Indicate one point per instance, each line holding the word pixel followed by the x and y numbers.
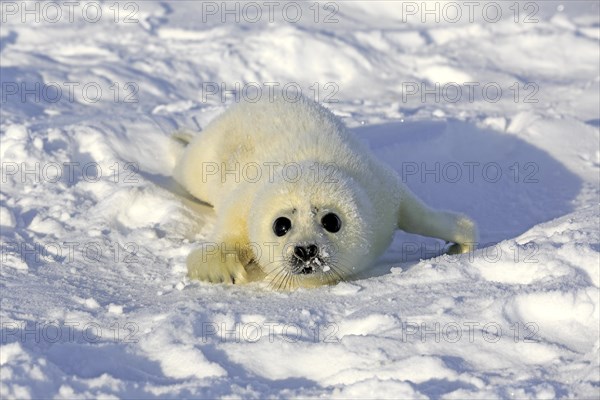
pixel 338 175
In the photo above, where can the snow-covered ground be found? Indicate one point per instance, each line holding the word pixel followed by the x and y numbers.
pixel 94 299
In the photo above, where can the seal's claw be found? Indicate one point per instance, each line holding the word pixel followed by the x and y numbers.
pixel 457 248
pixel 215 267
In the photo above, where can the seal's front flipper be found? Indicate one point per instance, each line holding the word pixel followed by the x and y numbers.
pixel 210 264
pixel 416 217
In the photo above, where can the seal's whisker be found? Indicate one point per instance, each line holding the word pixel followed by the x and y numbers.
pixel 283 279
pixel 280 274
pixel 334 271
pixel 339 269
pixel 282 265
pixel 288 281
pixel 282 261
pixel 274 275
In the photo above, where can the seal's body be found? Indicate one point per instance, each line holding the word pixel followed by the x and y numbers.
pixel 299 200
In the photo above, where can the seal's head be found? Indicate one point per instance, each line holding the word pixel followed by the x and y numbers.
pixel 310 230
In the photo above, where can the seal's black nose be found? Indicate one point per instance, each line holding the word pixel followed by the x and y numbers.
pixel 306 253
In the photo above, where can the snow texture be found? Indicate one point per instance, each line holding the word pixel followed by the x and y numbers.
pixel 95 302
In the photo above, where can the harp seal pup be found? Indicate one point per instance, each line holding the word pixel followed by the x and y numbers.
pixel 299 201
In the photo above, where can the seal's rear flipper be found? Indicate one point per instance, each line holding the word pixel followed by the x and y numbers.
pixel 416 217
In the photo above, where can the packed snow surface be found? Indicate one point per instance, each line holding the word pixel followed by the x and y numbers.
pixel 493 110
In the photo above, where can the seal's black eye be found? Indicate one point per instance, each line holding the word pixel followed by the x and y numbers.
pixel 281 226
pixel 331 222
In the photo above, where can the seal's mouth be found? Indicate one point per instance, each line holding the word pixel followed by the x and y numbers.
pixel 313 266
pixel 294 273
